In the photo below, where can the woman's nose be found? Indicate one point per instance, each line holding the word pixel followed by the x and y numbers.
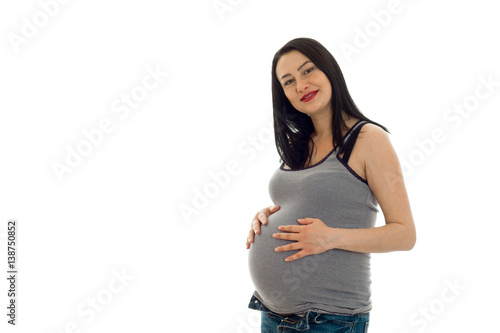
pixel 302 86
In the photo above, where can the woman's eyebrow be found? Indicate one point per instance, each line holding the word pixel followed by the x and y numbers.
pixel 298 69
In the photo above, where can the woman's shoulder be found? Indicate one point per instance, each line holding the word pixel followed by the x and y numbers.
pixel 366 127
pixel 374 140
pixel 372 129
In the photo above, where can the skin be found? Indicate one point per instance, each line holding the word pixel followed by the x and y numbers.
pixel 373 158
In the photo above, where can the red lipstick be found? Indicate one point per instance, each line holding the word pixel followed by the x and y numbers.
pixel 309 96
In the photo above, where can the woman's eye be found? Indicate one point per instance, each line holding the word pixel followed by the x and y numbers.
pixel 309 70
pixel 288 82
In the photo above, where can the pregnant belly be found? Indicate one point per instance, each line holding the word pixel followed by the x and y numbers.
pixel 281 284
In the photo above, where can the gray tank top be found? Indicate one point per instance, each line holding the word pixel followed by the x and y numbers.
pixel 335 281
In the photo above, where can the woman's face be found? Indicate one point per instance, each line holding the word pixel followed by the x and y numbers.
pixel 306 87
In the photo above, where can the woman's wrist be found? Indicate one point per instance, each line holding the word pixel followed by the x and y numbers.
pixel 334 236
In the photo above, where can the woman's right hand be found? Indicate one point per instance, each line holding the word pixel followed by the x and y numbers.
pixel 260 217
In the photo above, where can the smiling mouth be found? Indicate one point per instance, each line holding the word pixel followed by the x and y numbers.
pixel 308 97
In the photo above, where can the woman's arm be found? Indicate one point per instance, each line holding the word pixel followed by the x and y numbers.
pixel 385 178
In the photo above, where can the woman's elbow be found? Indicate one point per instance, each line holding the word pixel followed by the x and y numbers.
pixel 410 239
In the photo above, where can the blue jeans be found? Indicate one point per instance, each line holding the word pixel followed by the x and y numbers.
pixel 312 322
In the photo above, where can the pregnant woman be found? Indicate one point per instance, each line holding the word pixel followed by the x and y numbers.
pixel 309 255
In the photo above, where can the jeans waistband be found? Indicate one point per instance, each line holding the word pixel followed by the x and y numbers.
pixel 297 321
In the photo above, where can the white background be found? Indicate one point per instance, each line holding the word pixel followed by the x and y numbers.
pixel 118 210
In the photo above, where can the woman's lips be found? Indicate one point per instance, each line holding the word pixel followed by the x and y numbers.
pixel 308 97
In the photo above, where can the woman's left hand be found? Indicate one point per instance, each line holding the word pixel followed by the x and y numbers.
pixel 313 236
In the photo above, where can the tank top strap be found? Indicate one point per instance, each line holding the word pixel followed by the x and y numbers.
pixel 350 140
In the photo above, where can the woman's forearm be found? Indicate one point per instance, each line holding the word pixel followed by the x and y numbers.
pixel 387 238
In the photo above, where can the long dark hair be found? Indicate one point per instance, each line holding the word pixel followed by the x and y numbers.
pixel 292 128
